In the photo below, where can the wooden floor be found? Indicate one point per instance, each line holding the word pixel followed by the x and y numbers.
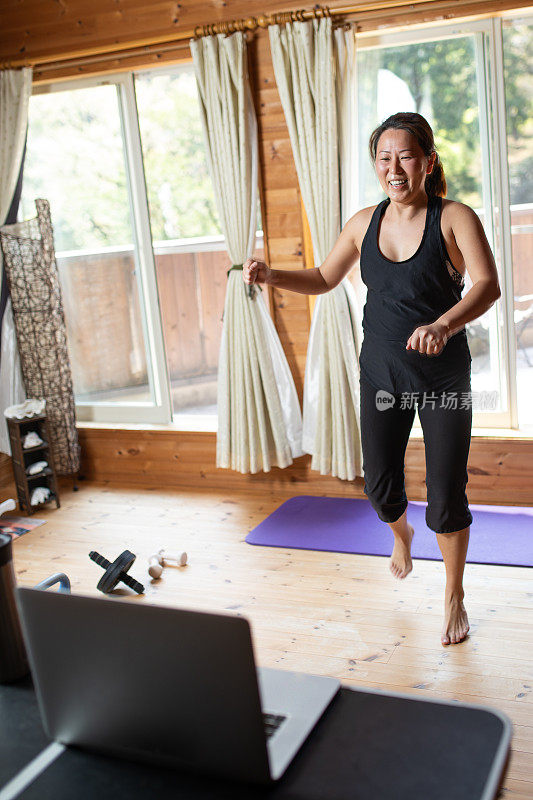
pixel 326 613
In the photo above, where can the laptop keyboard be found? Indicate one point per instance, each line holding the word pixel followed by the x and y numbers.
pixel 272 723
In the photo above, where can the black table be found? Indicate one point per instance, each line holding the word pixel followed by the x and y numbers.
pixel 369 745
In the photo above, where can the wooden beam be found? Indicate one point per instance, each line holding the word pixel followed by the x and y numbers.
pixel 48 37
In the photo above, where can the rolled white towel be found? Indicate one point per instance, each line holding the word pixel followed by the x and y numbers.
pixel 29 408
pixel 32 439
pixel 39 495
pixel 34 469
pixel 7 505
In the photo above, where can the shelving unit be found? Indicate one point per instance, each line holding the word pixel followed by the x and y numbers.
pixel 23 457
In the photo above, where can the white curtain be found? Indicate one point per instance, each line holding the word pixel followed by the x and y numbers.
pixel 349 153
pixel 310 64
pixel 15 91
pixel 259 417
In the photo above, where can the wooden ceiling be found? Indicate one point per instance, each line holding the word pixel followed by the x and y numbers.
pixel 35 32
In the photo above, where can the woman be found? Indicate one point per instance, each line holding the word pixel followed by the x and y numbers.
pixel 414 248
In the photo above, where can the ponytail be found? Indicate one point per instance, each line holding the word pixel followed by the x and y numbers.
pixel 436 182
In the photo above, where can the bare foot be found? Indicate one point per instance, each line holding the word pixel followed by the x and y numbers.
pixel 400 563
pixel 456 624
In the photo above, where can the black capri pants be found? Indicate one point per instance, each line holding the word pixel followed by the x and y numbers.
pixel 447 428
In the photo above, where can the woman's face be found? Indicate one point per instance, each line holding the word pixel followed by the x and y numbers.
pixel 401 165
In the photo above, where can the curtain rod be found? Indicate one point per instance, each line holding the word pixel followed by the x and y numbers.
pixel 247 24
pixel 299 15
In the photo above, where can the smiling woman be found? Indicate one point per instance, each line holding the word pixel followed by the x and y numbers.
pixel 410 292
pixel 404 266
pixel 414 340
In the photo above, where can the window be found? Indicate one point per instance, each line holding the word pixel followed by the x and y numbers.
pixel 190 257
pixel 450 75
pixel 517 54
pixel 138 241
pixel 81 157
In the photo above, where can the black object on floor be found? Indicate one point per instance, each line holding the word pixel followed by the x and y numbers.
pixel 367 746
pixel 21 733
pixel 116 572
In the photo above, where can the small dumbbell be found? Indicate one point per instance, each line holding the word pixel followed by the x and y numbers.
pixel 160 559
pixel 116 572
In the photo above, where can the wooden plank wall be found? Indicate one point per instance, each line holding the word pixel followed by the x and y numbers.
pixel 499 470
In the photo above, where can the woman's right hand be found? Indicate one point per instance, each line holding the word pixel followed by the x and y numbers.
pixel 255 271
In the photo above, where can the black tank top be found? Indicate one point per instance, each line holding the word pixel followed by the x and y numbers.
pixel 403 295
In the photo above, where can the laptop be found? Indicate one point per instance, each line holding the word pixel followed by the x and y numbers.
pixel 165 685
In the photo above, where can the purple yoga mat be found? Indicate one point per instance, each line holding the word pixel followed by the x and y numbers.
pixel 498 534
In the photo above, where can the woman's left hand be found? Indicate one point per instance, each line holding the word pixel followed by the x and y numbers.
pixel 429 340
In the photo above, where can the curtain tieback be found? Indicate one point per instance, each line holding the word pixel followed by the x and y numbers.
pixel 251 293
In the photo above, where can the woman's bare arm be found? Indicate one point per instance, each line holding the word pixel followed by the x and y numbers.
pixel 320 280
pixel 475 249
